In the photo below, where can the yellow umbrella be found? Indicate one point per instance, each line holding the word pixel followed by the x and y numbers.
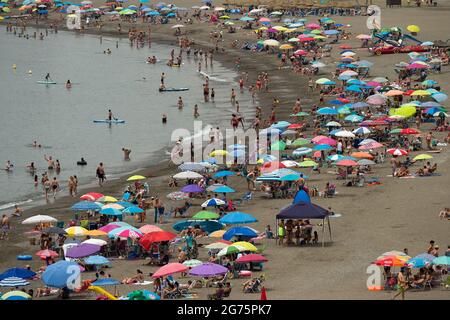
pixel 406 112
pixel 263 29
pixel 96 233
pixel 6 9
pixel 71 16
pixel 290 30
pixel 218 153
pixel 76 231
pixel 286 47
pixel 319 37
pixel 1 18
pixel 107 199
pixel 413 28
pixel 420 93
pixel 136 178
pixel 224 17
pixel 217 234
pixel 423 156
pixel 280 28
pixel 247 245
pixel 112 205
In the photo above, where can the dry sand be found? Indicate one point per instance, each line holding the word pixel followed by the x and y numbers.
pixel 397 214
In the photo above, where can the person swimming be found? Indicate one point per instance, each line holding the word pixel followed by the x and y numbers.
pixel 9 166
pixel 82 162
pixel 68 84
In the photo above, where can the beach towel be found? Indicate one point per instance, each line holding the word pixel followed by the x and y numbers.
pixel 145 283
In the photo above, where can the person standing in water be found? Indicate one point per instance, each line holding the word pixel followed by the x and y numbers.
pixel 126 153
pixel 100 173
pixel 110 115
pixel 55 187
pixel 196 113
pixel 68 84
pixel 180 103
pixel 47 77
pixel 50 162
pixel 47 186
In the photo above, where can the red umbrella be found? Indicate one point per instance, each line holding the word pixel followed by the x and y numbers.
pixel 347 163
pixel 345 46
pixel 157 236
pixel 272 166
pixel 307 39
pixel 169 269
pixel 47 254
pixel 295 126
pixel 253 257
pixel 224 241
pixel 301 52
pixel 409 131
pixel 91 196
pixel 397 152
pixel 343 100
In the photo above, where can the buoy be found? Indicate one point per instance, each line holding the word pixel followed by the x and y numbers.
pixel 14 66
pixel 30 72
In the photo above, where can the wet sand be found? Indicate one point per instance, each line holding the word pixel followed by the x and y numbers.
pixel 397 214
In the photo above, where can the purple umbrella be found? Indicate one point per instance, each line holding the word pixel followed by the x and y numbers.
pixel 208 270
pixel 82 250
pixel 191 188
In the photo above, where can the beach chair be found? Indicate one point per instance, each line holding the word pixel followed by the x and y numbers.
pixel 167 214
pixel 255 288
pixel 247 197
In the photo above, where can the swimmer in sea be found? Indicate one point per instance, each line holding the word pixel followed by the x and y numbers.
pixel 9 166
pixel 47 77
pixel 31 167
pixel 110 115
pixel 196 113
pixel 162 87
pixel 164 118
pixel 82 162
pixel 68 84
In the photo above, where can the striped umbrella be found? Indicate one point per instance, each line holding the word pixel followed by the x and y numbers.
pixel 13 282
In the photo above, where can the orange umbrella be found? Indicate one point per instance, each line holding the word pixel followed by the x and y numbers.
pixel 392 93
pixel 362 155
pixel 391 261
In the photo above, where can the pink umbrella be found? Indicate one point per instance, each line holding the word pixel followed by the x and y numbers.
pixel 128 233
pixel 303 36
pixel 417 66
pixel 373 84
pixel 328 141
pixel 169 269
pixel 251 258
pixel 370 145
pixel 300 52
pixel 375 101
pixel 149 228
pixel 108 227
pixel 91 196
pixel 313 26
pixel 317 139
pixel 317 154
pixel 347 163
pixel 264 20
pixel 272 30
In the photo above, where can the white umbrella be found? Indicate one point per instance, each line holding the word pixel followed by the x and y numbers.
pixel 219 9
pixel 188 175
pixel 318 64
pixel 39 219
pixel 178 26
pixel 290 163
pixel 256 11
pixel 271 43
pixel 97 242
pixel 344 134
pixel 361 130
pixel 13 282
pixel 204 8
pixel 333 124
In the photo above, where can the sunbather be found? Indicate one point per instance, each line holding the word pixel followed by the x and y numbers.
pixel 138 278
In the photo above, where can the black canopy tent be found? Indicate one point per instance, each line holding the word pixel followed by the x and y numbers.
pixel 306 210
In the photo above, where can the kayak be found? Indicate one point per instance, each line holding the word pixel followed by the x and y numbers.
pixel 46 82
pixel 109 121
pixel 173 89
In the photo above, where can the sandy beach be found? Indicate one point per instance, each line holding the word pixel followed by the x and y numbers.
pixel 397 214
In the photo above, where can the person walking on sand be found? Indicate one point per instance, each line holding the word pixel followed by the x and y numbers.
pixel 402 285
pixel 100 173
pixel 281 232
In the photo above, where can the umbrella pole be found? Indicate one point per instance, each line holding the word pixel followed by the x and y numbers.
pixel 329 228
pixel 323 232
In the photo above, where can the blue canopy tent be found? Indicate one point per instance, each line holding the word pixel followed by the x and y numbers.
pixel 300 196
pixel 306 210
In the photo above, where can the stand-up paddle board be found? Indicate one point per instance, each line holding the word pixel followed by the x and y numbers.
pixel 109 121
pixel 46 82
pixel 173 89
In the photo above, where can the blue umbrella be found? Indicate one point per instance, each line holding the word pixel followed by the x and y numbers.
pixel 213 202
pixel 113 233
pixel 364 63
pixel 430 104
pixel 353 88
pixel 281 125
pixel 17 272
pixel 224 173
pixel 153 13
pixel 329 83
pixel 207 225
pixel 301 195
pixel 269 131
pixel 111 212
pixel 327 111
pixel 322 147
pixel 356 82
pixel 132 210
pixel 224 189
pixel 237 153
pixel 237 218
pixel 13 282
pixel 360 104
pixel 96 260
pixel 439 97
pixel 125 204
pixel 239 231
pixel 85 206
pixel 106 282
pixel 290 177
pixel 59 274
pixel 444 260
pixel 354 118
pixel 170 15
pixel 331 32
pixel 246 19
pixel 333 132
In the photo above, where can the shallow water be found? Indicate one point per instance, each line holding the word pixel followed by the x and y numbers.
pixel 62 120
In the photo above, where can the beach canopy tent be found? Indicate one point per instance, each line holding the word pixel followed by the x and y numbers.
pixel 301 196
pixel 306 210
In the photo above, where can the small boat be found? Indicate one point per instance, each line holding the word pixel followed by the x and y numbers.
pixel 173 89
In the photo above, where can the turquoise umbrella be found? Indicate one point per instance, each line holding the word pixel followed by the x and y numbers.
pixel 443 260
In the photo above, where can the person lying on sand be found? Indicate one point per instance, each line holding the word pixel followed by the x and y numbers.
pixel 138 278
pixel 45 292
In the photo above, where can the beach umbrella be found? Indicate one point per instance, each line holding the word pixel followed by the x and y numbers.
pixel 91 196
pixel 213 202
pixel 213 187
pixel 158 236
pixel 136 178
pixel 149 228
pixel 208 270
pixel 409 131
pixel 113 206
pixel 239 231
pixel 143 295
pixel 58 275
pixel 278 146
pixel 217 234
pixel 192 188
pixel 76 231
pixel 237 218
pixel 289 163
pixel 18 273
pixel 54 230
pixel 397 152
pixel 97 242
pixel 439 97
pixel 126 232
pixel 300 142
pixel 13 282
pixel 423 156
pixel 192 263
pixel 420 261
pixel 413 28
pixel 230 249
pixel 216 153
pixel 366 162
pixel 205 215
pixel 247 246
pixel 333 124
pixel 271 43
pixel 361 131
pixel 380 79
pixel 96 260
pixel 47 254
pixel 177 195
pixel 111 212
pixel 224 189
pixel 391 261
pixel 169 269
pixel 224 173
pixel 217 245
pixel 133 210
pixel 39 219
pixel 252 257
pixel 442 260
pixel 85 206
pixel 307 164
pixel 370 146
pixel 347 163
pixel 362 155
pixel 16 295
pixel 345 134
pixel 106 282
pixel 327 111
pixel 107 199
pixel 322 147
pixel 82 250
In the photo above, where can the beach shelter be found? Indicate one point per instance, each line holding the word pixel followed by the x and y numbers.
pixel 240 231
pixel 306 210
pixel 237 218
pixel 301 196
pixel 18 273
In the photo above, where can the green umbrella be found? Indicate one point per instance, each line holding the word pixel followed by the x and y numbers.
pixel 301 142
pixel 395 131
pixel 205 215
pixel 192 263
pixel 423 156
pixel 278 146
pixel 307 163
